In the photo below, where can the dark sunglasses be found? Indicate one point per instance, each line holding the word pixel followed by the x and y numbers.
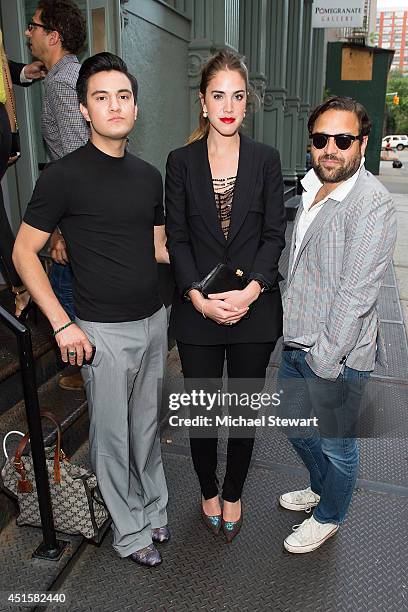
pixel 343 141
pixel 32 24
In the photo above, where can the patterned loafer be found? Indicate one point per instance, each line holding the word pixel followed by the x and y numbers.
pixel 149 556
pixel 161 534
pixel 213 523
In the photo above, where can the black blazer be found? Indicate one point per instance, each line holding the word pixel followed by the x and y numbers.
pixel 196 243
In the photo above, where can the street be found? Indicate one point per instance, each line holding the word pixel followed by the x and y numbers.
pixel 395 179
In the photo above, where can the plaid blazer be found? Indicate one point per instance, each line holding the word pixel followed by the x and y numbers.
pixel 332 288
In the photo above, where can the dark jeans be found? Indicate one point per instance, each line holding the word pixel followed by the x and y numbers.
pixel 244 361
pixel 6 235
pixel 61 283
pixel 332 461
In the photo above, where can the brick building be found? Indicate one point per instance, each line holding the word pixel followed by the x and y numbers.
pixel 392 30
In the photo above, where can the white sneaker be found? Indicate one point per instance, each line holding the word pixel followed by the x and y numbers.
pixel 303 500
pixel 309 535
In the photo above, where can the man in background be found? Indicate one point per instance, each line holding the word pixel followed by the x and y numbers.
pixel 56 34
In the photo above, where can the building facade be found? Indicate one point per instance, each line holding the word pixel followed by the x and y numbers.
pixel 392 30
pixel 366 34
pixel 165 45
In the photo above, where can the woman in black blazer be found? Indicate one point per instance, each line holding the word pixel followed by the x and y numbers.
pixel 224 204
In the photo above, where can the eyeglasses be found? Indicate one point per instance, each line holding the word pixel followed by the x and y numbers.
pixel 343 141
pixel 32 24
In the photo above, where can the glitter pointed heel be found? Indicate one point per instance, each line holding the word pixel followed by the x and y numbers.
pixel 232 528
pixel 213 523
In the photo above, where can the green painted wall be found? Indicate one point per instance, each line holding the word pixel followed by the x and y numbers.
pixel 155 48
pixel 369 93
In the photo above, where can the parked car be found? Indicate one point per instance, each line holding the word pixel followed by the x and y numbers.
pixel 395 141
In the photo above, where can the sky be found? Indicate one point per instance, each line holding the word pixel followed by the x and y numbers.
pixel 383 4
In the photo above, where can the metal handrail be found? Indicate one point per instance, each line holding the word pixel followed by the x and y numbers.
pixel 50 548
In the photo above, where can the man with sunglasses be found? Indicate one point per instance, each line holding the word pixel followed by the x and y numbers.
pixel 342 244
pixel 56 33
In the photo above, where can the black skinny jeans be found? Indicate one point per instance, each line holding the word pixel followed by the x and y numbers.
pixel 6 235
pixel 244 361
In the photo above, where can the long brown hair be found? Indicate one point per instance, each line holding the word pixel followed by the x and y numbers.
pixel 223 60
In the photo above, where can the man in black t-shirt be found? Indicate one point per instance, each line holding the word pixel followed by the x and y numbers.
pixel 108 204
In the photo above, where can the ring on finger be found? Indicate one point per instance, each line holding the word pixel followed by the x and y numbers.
pixel 72 353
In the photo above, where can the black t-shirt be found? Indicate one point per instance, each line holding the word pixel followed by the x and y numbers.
pixel 106 208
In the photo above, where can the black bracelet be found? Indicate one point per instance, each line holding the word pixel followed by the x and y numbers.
pixel 57 331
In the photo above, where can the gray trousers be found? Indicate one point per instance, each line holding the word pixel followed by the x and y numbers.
pixel 123 387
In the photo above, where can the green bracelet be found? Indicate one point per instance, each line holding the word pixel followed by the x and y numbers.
pixel 57 331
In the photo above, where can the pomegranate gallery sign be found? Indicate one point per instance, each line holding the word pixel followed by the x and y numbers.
pixel 338 13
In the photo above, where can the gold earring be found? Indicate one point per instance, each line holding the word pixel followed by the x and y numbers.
pixel 205 114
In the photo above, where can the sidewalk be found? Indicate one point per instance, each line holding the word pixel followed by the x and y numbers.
pixel 401 252
pixel 396 181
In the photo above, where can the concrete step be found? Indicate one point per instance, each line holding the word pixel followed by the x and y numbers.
pixel 43 349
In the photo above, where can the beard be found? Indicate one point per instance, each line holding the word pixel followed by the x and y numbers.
pixel 336 175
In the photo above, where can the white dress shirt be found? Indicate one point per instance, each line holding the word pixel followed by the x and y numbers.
pixel 23 78
pixel 311 185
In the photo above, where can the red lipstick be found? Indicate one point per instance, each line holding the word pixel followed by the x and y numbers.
pixel 227 119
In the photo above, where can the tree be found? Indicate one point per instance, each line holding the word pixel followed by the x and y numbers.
pixel 398 113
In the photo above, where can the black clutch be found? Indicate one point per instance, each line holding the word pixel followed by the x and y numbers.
pixel 222 278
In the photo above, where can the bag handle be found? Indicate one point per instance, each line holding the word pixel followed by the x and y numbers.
pixel 24 485
pixel 20 433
